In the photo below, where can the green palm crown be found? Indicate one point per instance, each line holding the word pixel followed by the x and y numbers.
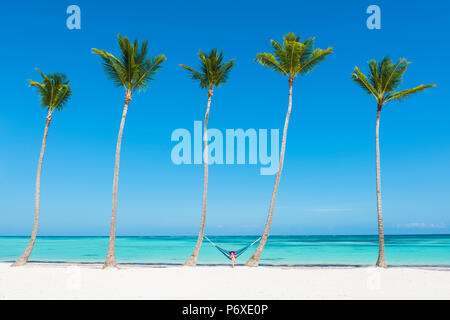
pixel 293 58
pixel 384 78
pixel 213 71
pixel 54 91
pixel 134 69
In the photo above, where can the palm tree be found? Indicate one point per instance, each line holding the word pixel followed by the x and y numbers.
pixel 290 59
pixel 383 79
pixel 54 92
pixel 212 73
pixel 133 71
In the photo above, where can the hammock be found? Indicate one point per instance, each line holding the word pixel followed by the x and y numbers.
pixel 226 253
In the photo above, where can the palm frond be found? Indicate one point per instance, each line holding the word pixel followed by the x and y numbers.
pixel 195 75
pixel 268 60
pixel 317 56
pixel 401 95
pixel 307 50
pixel 112 67
pixel 373 75
pixel 394 76
pixel 224 72
pixel 62 97
pixel 291 37
pixel 147 71
pixel 359 78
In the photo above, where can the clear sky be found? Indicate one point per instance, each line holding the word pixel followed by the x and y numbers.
pixel 328 182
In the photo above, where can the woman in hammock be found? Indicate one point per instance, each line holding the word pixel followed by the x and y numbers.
pixel 232 256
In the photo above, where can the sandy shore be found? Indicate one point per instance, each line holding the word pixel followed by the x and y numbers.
pixel 53 281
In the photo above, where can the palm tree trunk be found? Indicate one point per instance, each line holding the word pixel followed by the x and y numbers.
pixel 254 260
pixel 192 260
pixel 24 258
pixel 111 254
pixel 381 262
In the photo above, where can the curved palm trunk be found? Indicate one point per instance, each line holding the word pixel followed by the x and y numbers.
pixel 381 262
pixel 111 254
pixel 254 260
pixel 24 258
pixel 192 260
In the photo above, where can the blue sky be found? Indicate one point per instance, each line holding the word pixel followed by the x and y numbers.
pixel 328 182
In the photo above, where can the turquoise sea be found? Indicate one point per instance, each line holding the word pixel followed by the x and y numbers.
pixel 431 250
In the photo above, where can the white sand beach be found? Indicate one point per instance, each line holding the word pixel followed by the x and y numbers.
pixel 63 281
